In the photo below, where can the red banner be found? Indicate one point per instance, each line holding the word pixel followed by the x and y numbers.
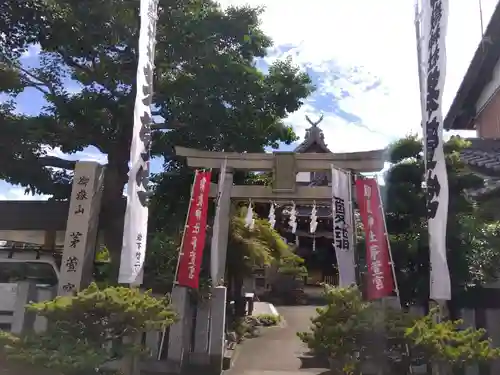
pixel 380 282
pixel 193 240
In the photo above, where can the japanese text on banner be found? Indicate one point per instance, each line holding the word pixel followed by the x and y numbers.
pixel 380 283
pixel 193 241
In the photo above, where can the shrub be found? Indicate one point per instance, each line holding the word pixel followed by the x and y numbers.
pixel 268 320
pixel 292 265
pixel 82 327
pixel 347 332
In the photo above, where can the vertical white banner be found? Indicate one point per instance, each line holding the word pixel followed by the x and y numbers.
pixel 136 214
pixel 434 20
pixel 343 230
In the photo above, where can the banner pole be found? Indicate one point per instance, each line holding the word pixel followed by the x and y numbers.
pixel 393 269
pixel 185 227
pixel 164 332
pixel 421 78
pixel 389 249
pixel 353 224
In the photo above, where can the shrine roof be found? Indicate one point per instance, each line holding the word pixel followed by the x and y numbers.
pixel 314 136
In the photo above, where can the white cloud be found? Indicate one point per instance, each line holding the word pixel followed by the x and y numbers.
pixel 355 45
pixel 88 154
pixel 32 51
pixel 17 193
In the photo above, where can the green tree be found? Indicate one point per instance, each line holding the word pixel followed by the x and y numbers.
pixel 472 244
pixel 208 92
pixel 250 248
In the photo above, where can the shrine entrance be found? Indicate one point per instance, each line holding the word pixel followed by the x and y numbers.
pixel 301 179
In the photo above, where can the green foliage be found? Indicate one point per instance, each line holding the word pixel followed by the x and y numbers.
pixel 161 262
pixel 472 244
pixel 292 265
pixel 257 247
pixel 268 320
pixel 446 342
pixel 348 331
pixel 339 328
pixel 82 327
pixel 54 350
pixel 248 326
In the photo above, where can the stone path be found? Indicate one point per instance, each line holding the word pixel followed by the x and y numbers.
pixel 278 350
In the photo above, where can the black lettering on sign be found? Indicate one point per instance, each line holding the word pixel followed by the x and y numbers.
pixel 432 90
pixel 142 174
pixel 432 135
pixel 79 210
pixel 433 190
pixel 83 181
pixel 431 138
pixel 139 241
pixel 74 239
pixel 69 287
pixel 71 264
pixel 82 195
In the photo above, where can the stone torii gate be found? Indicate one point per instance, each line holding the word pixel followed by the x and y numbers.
pixel 209 331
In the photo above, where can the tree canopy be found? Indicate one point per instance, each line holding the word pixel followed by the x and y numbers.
pixel 208 92
pixel 472 243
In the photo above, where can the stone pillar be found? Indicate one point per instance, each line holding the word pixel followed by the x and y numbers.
pixel 22 320
pixel 218 264
pixel 199 356
pixel 221 225
pixel 493 329
pixel 81 229
pixel 469 320
pixel 179 331
pixel 217 329
pixel 44 294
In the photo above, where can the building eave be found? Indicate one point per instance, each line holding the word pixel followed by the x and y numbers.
pixel 462 112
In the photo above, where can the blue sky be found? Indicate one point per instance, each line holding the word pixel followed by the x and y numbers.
pixel 361 55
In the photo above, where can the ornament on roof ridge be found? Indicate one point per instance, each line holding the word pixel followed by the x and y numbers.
pixel 293 218
pixel 272 215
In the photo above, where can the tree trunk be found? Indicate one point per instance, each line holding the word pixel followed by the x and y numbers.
pixel 113 210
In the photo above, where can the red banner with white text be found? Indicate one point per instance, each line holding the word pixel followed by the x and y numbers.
pixel 193 240
pixel 379 280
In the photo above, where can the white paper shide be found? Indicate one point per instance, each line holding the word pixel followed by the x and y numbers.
pixel 434 19
pixel 136 214
pixel 342 226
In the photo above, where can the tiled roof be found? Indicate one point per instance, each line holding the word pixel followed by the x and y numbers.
pixel 483 156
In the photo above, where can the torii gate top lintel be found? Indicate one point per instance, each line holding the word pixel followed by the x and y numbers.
pixel 360 162
pixel 284 166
